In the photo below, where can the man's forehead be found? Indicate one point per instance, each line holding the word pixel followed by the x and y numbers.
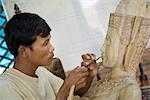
pixel 40 37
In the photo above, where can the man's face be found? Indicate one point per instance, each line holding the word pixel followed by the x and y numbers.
pixel 42 51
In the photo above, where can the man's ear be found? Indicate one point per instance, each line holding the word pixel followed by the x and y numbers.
pixel 23 51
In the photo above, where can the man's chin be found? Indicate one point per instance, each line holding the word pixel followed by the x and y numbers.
pixel 46 64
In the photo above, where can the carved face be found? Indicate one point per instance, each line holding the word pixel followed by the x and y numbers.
pixel 116 41
pixel 113 51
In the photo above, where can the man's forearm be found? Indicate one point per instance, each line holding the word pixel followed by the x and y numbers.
pixel 63 92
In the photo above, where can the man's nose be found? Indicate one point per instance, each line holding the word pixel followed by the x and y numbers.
pixel 51 48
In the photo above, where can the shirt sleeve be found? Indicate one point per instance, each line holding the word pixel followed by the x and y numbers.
pixel 8 93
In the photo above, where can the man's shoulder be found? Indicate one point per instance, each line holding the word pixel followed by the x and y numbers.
pixel 7 91
pixel 4 80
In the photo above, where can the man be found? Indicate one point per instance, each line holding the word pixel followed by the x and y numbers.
pixel 28 39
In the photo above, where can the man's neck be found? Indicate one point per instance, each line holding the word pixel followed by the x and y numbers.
pixel 27 72
pixel 25 68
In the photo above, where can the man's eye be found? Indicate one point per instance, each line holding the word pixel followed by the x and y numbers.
pixel 45 44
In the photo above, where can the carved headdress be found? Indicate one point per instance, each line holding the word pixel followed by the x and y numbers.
pixel 133 27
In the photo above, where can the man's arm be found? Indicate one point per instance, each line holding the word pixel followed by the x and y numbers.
pixel 64 91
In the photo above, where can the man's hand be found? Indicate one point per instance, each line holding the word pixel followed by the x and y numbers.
pixel 77 76
pixel 83 85
pixel 89 61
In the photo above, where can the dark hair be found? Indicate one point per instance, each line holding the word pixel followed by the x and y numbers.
pixel 22 29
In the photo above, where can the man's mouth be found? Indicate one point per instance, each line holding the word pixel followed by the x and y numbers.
pixel 51 56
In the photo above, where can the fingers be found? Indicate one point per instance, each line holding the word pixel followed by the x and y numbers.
pixel 79 69
pixel 82 71
pixel 92 56
pixel 85 63
pixel 88 59
pixel 81 83
pixel 89 56
pixel 76 74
